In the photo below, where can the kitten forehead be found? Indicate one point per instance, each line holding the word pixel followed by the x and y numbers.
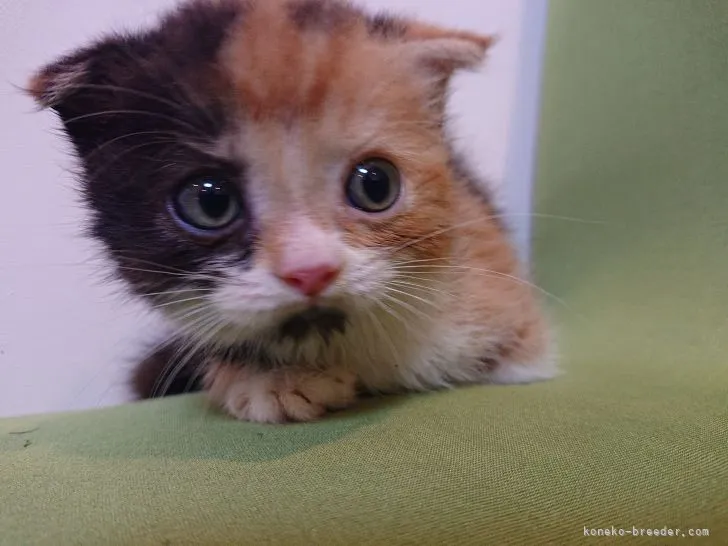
pixel 295 58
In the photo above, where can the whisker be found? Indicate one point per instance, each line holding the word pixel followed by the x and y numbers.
pixel 155 264
pixel 195 276
pixel 131 149
pixel 195 376
pixel 101 147
pixel 407 294
pixel 407 276
pixel 167 342
pixel 135 92
pixel 426 289
pixel 157 115
pixel 387 309
pixel 177 361
pixel 407 306
pixel 176 292
pixel 424 261
pixel 206 335
pixel 185 314
pixel 551 217
pixel 176 302
pixel 383 333
pixel 440 232
pixel 492 217
pixel 491 273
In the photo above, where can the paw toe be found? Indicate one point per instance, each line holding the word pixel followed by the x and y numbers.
pixel 332 392
pixel 298 407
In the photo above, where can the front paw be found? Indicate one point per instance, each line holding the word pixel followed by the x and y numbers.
pixel 279 396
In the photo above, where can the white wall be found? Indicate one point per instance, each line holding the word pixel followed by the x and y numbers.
pixel 66 337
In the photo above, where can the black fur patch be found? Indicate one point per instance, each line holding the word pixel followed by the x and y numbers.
pixel 171 370
pixel 326 322
pixel 139 108
pixel 164 373
pixel 246 353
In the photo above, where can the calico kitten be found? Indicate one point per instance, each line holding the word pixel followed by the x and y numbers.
pixel 274 176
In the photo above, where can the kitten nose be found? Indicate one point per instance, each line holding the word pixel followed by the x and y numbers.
pixel 311 281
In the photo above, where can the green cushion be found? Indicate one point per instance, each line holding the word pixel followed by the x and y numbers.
pixel 635 144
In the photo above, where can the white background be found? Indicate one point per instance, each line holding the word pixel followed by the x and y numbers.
pixel 67 339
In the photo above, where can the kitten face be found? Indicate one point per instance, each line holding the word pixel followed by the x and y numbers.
pixel 263 170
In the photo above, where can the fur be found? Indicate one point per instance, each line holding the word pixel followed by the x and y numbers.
pixel 283 98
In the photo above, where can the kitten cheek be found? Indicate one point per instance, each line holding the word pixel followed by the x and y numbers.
pixel 366 274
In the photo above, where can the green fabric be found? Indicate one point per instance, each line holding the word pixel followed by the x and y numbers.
pixel 635 141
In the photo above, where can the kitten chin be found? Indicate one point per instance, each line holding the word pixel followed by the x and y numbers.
pixel 323 322
pixel 275 178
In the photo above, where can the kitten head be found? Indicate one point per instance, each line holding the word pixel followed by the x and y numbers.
pixel 254 167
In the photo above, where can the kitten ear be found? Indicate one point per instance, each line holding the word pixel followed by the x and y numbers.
pixel 437 54
pixel 445 51
pixel 81 86
pixel 88 72
pixel 53 84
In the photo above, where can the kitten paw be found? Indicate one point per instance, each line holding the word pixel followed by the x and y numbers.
pixel 279 396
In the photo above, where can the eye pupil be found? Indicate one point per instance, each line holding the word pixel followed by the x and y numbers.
pixel 374 186
pixel 214 202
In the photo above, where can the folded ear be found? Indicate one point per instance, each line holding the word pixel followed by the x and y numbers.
pixel 444 50
pixel 86 87
pixel 55 83
pixel 86 78
pixel 436 54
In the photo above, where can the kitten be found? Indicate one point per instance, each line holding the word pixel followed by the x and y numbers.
pixel 274 176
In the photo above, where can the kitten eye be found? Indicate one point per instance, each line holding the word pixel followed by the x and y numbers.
pixel 207 203
pixel 374 185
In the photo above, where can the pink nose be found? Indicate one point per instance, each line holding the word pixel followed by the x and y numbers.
pixel 311 281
